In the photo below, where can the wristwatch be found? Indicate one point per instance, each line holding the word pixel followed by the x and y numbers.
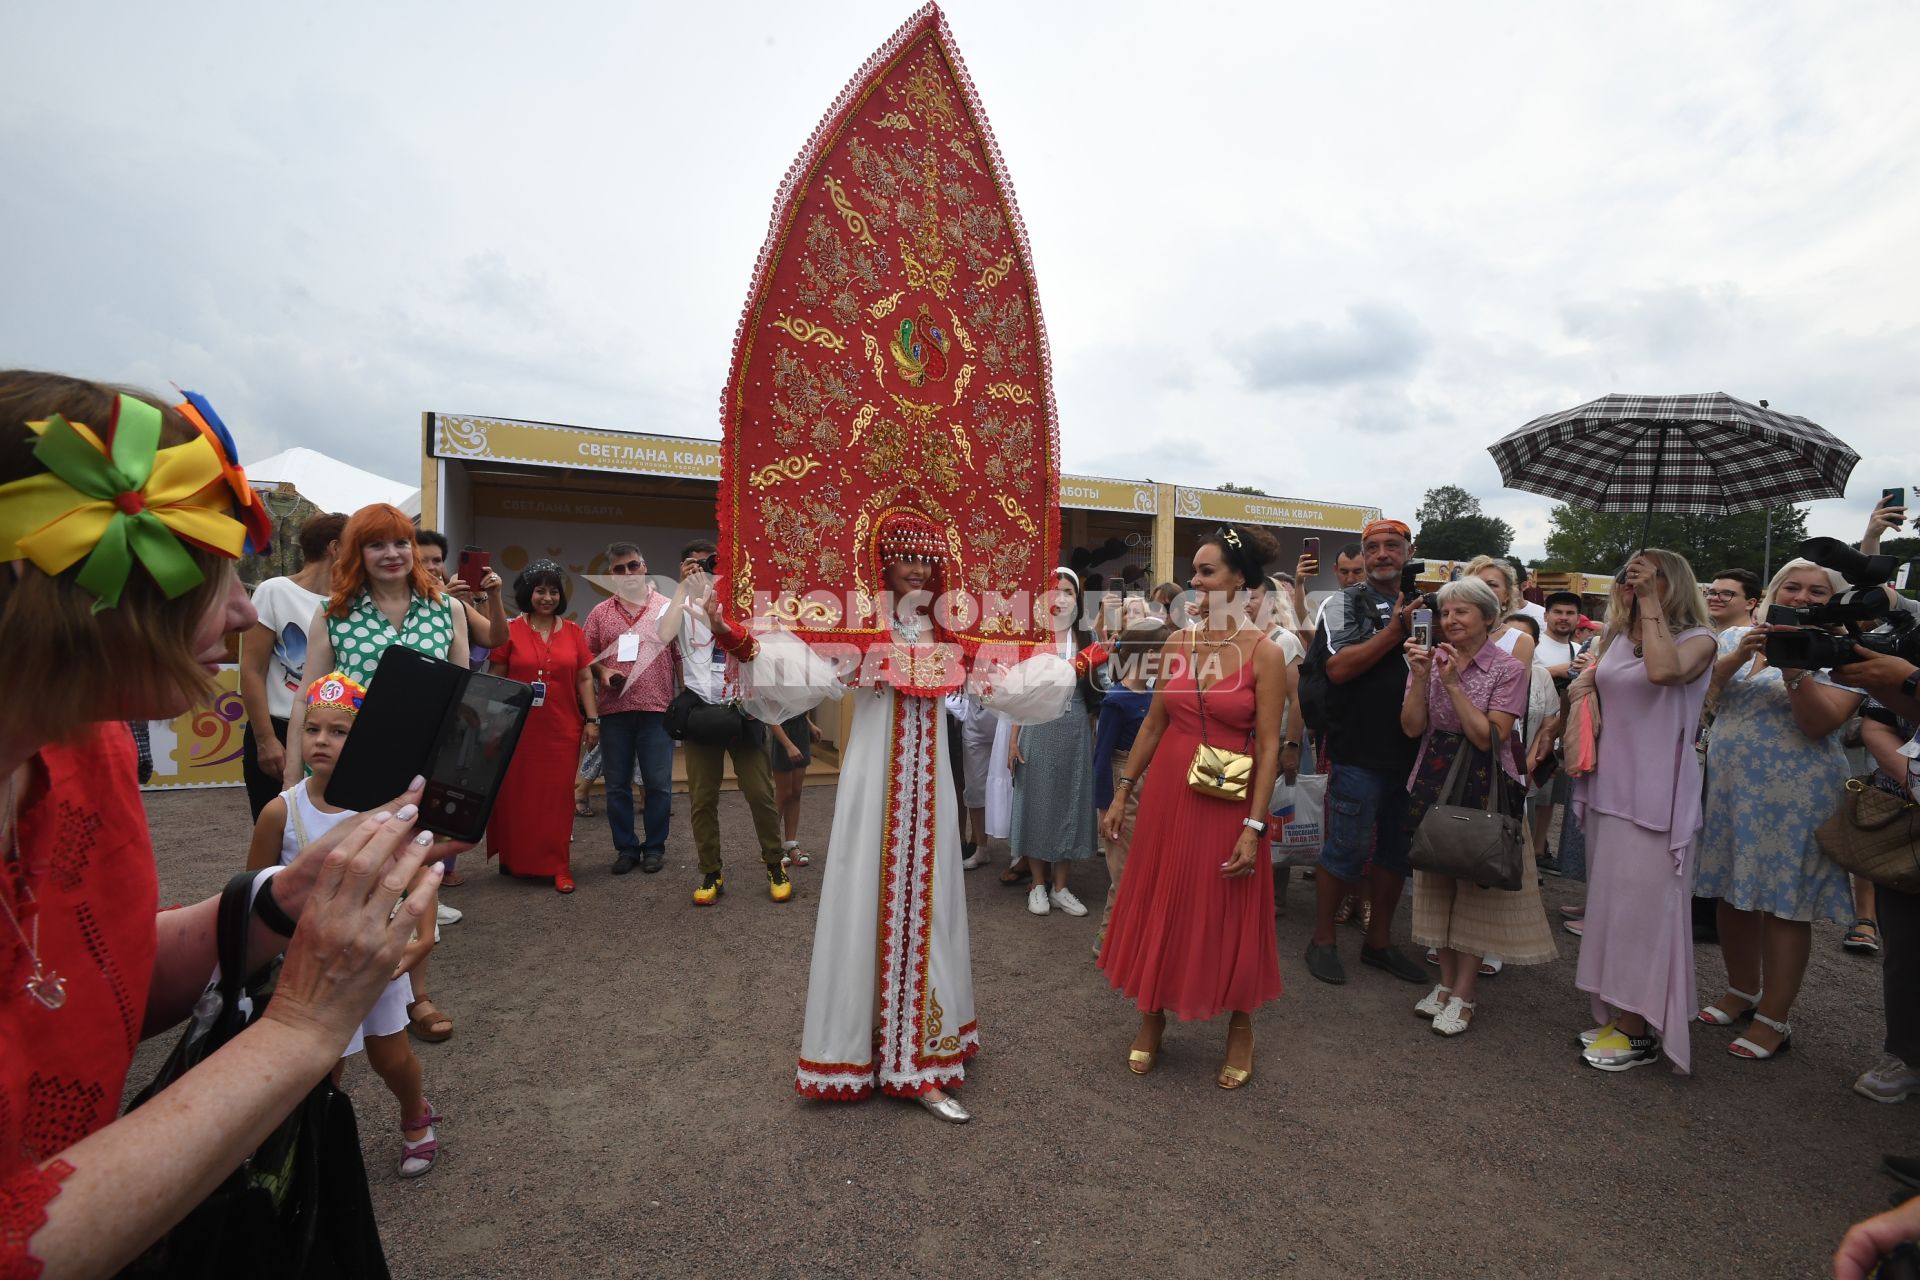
pixel 1258 827
pixel 1294 745
pixel 1911 685
pixel 593 719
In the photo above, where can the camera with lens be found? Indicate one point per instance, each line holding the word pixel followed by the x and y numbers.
pixel 1871 619
pixel 1410 579
pixel 709 563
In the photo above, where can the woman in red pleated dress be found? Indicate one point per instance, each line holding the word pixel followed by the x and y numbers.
pixel 531 830
pixel 1192 930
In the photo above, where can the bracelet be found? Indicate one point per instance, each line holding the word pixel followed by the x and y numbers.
pixel 1294 745
pixel 1124 782
pixel 270 912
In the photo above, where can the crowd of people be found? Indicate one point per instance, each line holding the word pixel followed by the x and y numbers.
pixel 1155 736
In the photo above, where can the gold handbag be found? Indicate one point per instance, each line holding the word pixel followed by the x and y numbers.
pixel 1876 834
pixel 1216 771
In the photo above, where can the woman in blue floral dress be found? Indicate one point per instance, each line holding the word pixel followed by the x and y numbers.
pixel 1774 770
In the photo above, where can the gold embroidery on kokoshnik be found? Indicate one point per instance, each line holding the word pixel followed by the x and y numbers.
pixel 855 220
pixel 937 281
pixel 1012 508
pixel 959 389
pixel 805 331
pixel 786 469
pixel 994 274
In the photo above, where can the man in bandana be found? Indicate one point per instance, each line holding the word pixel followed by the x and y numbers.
pixel 1367 626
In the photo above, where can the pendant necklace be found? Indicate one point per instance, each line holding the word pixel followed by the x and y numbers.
pixel 50 989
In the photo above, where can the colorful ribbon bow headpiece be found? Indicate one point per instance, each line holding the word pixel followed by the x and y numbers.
pixel 338 690
pixel 115 496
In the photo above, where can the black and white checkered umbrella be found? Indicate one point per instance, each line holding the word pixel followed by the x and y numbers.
pixel 1697 454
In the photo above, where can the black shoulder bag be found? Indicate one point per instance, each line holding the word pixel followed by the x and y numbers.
pixel 298 1208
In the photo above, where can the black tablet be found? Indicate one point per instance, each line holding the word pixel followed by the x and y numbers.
pixel 426 717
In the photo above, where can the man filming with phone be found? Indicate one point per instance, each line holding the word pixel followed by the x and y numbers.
pixel 634 672
pixel 719 732
pixel 1367 628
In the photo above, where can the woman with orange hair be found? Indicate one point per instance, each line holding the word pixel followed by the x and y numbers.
pixel 382 596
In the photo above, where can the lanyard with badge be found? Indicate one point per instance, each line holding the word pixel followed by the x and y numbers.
pixel 543 648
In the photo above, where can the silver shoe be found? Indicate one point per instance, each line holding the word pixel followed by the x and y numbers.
pixel 946 1108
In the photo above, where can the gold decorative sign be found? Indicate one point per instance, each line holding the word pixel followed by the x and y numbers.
pixel 1258 508
pixel 1094 493
pixel 551 445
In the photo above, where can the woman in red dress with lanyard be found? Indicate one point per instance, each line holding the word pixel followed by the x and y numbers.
pixel 531 830
pixel 1192 930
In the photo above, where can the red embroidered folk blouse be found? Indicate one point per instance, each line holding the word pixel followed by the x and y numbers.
pixel 86 859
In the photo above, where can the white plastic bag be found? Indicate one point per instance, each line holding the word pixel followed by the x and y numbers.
pixel 1298 814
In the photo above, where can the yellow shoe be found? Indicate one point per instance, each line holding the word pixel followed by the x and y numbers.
pixel 779 887
pixel 711 887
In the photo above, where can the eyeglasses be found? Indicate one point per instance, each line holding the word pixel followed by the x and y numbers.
pixel 1721 595
pixel 632 566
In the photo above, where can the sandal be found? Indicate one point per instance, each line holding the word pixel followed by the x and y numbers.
pixel 1714 1016
pixel 418 1157
pixel 1014 877
pixel 432 1026
pixel 452 880
pixel 1864 937
pixel 1455 1018
pixel 1745 1048
pixel 582 808
pixel 1344 912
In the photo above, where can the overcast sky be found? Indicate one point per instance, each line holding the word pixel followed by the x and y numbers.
pixel 1331 251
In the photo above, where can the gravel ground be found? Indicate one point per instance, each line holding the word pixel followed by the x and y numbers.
pixel 619 1102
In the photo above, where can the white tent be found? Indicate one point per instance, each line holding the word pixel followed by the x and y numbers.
pixel 330 484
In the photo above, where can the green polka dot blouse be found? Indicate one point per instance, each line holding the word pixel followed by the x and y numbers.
pixel 360 638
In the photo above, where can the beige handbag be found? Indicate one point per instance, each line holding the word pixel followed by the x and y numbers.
pixel 1875 833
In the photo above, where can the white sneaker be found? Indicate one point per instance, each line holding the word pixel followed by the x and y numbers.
pixel 1064 899
pixel 1037 900
pixel 1891 1080
pixel 978 860
pixel 449 915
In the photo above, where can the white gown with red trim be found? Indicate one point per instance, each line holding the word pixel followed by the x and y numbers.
pixel 890 992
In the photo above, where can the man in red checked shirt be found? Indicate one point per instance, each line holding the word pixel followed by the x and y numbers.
pixel 634 672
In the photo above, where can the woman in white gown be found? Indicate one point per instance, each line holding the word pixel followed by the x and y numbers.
pixel 890 993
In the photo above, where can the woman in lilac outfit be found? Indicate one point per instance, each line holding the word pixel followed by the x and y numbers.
pixel 1641 810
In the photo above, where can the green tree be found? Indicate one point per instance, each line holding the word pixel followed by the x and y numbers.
pixel 1453 527
pixel 1596 540
pixel 1242 488
pixel 1446 502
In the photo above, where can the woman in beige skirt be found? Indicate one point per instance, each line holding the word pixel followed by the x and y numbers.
pixel 1464 693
